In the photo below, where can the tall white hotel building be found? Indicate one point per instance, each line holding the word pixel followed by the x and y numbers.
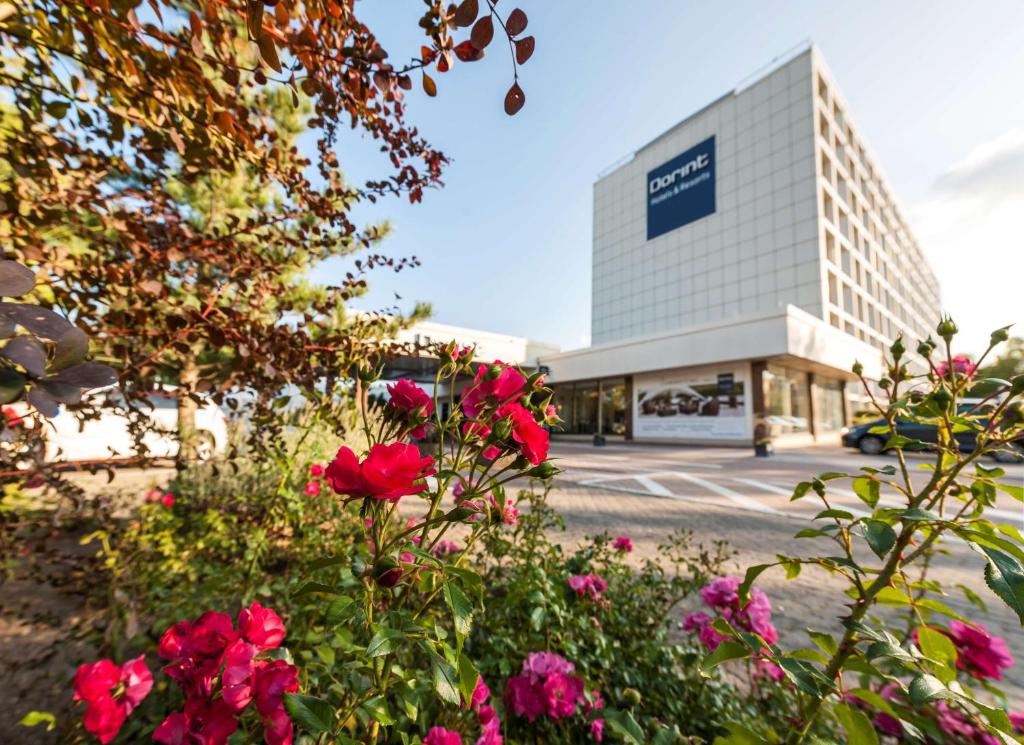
pixel 742 261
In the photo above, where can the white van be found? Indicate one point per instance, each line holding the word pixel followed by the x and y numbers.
pixel 69 439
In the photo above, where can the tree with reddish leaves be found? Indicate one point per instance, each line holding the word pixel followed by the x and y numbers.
pixel 117 113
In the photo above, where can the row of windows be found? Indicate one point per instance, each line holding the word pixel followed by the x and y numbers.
pixel 878 284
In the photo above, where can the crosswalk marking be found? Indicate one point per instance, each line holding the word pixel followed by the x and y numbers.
pixel 651 482
pixel 740 499
pixel 653 486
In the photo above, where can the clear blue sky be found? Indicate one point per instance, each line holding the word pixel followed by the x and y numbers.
pixel 505 245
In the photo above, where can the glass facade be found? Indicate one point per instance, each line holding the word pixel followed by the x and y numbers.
pixel 592 407
pixel 828 405
pixel 787 399
pixel 613 407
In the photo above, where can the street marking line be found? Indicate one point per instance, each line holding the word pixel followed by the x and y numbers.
pixel 764 485
pixel 740 499
pixel 653 486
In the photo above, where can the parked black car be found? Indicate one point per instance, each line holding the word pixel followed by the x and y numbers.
pixel 873 443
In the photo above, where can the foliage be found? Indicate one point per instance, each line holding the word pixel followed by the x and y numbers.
pixel 118 116
pixel 1008 364
pixel 922 680
pixel 620 641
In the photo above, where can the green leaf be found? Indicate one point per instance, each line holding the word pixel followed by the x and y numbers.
pixel 329 561
pixel 623 724
pixel 312 714
pixel 836 514
pixel 892 596
pixel 867 489
pixel 937 647
pixel 871 697
pixel 34 718
pixel 310 587
pixel 805 676
pixel 859 730
pixel 446 684
pixel 340 609
pixel 383 642
pixel 468 676
pixel 826 642
pixel 792 567
pixel 926 688
pixel 800 491
pixel 739 735
pixel 462 611
pixel 377 709
pixel 1017 492
pixel 748 579
pixel 833 475
pixel 470 580
pixel 880 537
pixel 917 515
pixel 727 650
pixel 1005 578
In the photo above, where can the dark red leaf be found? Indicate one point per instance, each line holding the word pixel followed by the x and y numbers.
pixel 268 51
pixel 71 347
pixel 43 402
pixel 15 279
pixel 482 33
pixel 254 18
pixel 466 13
pixel 429 86
pixel 516 22
pixel 87 375
pixel 514 99
pixel 39 321
pixel 63 392
pixel 524 49
pixel 27 352
pixel 467 52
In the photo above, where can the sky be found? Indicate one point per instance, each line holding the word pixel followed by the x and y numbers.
pixel 505 245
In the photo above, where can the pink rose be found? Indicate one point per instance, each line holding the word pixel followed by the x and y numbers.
pixel 623 543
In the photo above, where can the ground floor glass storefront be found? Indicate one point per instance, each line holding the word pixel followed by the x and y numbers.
pixel 797 401
pixel 787 399
pixel 590 407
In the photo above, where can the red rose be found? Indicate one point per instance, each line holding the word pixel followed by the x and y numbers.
pixel 407 396
pixel 505 387
pixel 261 626
pixel 273 679
pixel 532 438
pixel 236 681
pixel 95 683
pixel 388 472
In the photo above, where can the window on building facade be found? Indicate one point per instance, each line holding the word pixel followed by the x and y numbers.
pixel 788 399
pixel 613 407
pixel 585 409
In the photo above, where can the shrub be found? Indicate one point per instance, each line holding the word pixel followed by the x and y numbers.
pixel 920 678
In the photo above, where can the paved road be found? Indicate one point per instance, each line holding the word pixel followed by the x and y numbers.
pixel 721 493
pixel 735 479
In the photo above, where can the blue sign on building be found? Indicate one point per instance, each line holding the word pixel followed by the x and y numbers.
pixel 682 190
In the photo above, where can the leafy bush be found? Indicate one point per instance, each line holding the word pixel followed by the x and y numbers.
pixel 618 637
pixel 919 679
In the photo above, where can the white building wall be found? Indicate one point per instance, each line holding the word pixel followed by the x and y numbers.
pixel 877 282
pixel 804 216
pixel 760 249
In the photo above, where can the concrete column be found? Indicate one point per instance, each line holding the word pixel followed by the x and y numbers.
pixel 811 413
pixel 629 407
